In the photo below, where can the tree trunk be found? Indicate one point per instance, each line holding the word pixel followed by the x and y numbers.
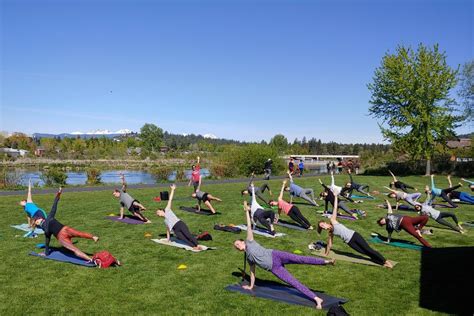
pixel 428 167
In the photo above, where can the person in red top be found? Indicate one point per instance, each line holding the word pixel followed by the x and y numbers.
pixel 289 209
pixel 196 175
pixel 291 166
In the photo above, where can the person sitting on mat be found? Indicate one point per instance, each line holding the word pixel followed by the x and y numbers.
pixel 258 191
pixel 427 209
pixel 275 261
pixel 352 238
pixel 291 210
pixel 129 202
pixel 63 234
pixel 351 186
pixel 461 196
pixel 329 197
pixel 399 185
pixel 471 183
pixel 443 193
pixel 173 223
pixel 196 175
pixel 410 198
pixel 397 222
pixel 257 213
pixel 30 208
pixel 297 191
pixel 205 197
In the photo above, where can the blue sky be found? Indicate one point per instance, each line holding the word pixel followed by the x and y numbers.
pixel 245 70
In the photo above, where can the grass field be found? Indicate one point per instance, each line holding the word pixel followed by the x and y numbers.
pixel 149 282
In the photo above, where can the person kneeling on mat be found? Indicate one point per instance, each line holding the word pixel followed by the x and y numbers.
pixel 173 223
pixel 63 234
pixel 352 238
pixel 257 213
pixel 205 197
pixel 291 210
pixel 397 222
pixel 31 209
pixel 274 261
pixel 130 203
pixel 297 191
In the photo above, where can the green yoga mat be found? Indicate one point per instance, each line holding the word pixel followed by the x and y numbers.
pixel 354 258
pixel 406 245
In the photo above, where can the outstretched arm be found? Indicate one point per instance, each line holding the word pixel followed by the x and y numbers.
pixel 389 207
pixel 280 197
pixel 332 178
pixel 252 278
pixel 254 198
pixel 124 184
pixel 29 199
pixel 252 176
pixel 334 211
pixel 391 190
pixel 170 201
pixel 470 182
pixel 393 176
pixel 432 182
pixel 249 225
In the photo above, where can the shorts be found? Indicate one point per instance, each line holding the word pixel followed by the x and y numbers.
pixel 134 208
pixel 39 214
pixel 204 198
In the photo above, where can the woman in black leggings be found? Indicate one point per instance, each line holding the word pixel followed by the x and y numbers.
pixel 173 223
pixel 352 238
pixel 399 184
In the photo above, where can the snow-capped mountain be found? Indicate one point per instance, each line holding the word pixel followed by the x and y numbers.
pixel 104 132
pixel 211 136
pixel 90 134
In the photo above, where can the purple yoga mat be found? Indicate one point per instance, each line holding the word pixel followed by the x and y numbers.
pixel 126 220
pixel 328 215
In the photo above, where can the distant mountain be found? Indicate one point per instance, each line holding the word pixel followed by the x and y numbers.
pixel 211 136
pixel 87 135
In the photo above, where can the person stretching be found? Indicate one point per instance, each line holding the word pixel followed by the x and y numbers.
pixel 63 234
pixel 461 196
pixel 173 223
pixel 258 191
pixel 471 183
pixel 30 208
pixel 257 213
pixel 132 205
pixel 351 186
pixel 334 188
pixel 275 261
pixel 443 193
pixel 329 197
pixel 427 209
pixel 195 175
pixel 291 210
pixel 205 197
pixel 397 222
pixel 352 238
pixel 297 191
pixel 410 198
pixel 399 185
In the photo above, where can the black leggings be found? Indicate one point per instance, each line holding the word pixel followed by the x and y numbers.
pixel 444 195
pixel 359 244
pixel 182 233
pixel 263 216
pixel 402 186
pixel 441 220
pixel 296 215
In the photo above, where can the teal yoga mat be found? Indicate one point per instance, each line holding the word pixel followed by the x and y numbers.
pixel 406 245
pixel 354 196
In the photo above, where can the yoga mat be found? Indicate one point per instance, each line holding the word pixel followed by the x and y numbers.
pixel 261 232
pixel 286 294
pixel 289 225
pixel 468 224
pixel 349 257
pixel 339 216
pixel 180 244
pixel 407 245
pixel 362 197
pixel 57 255
pixel 126 220
pixel 195 211
pixel 25 228
pixel 403 207
pixel 441 205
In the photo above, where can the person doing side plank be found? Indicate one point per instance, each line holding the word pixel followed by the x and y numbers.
pixel 397 222
pixel 30 208
pixel 329 197
pixel 132 205
pixel 352 238
pixel 63 234
pixel 410 198
pixel 173 223
pixel 258 191
pixel 351 186
pixel 291 210
pixel 427 209
pixel 297 191
pixel 258 214
pixel 461 196
pixel 399 185
pixel 443 193
pixel 471 183
pixel 205 197
pixel 275 261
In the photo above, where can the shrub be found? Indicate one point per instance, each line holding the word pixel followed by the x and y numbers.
pixel 54 176
pixel 161 173
pixel 93 176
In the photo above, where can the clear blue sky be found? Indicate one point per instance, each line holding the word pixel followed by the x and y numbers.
pixel 245 70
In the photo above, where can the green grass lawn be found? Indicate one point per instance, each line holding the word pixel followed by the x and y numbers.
pixel 149 282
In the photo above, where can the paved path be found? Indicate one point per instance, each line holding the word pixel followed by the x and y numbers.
pixel 133 186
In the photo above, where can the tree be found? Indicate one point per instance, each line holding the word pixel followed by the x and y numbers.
pixel 151 136
pixel 466 90
pixel 279 142
pixel 410 93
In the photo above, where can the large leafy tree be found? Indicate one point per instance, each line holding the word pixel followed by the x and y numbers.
pixel 411 95
pixel 466 91
pixel 279 142
pixel 151 136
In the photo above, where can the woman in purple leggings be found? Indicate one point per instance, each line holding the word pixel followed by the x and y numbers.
pixel 274 261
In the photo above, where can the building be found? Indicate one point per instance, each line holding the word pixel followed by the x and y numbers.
pixel 459 143
pixel 14 153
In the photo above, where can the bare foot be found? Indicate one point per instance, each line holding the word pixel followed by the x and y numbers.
pixel 388 264
pixel 148 222
pixel 95 238
pixel 319 303
pixel 331 261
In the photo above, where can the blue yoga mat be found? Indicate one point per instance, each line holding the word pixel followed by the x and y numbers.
pixel 286 294
pixel 406 245
pixel 57 255
pixel 25 228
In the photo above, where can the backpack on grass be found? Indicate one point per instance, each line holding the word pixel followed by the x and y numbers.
pixel 104 259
